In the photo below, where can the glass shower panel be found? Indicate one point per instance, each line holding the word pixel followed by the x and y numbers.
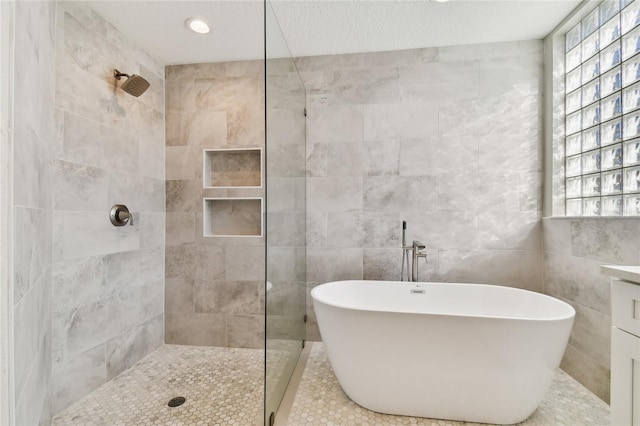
pixel 285 301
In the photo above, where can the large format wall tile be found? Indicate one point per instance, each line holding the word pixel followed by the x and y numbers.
pixel 78 377
pixel 402 120
pixel 32 167
pixel 80 234
pixel 245 331
pixel 382 229
pixel 399 193
pixel 233 297
pixel 80 187
pixel 180 160
pixel 334 194
pixel 89 325
pixel 334 124
pixel 441 229
pixel 215 285
pixel 505 51
pixel 135 269
pixel 530 187
pixel 34 139
pixel 195 262
pixel 512 268
pixel 34 406
pixel 200 329
pixel 108 282
pixel 331 62
pixel 479 192
pixel 577 279
pixel 181 228
pixel 124 350
pixel 509 115
pixel 151 229
pixel 606 241
pixel 510 230
pixel 285 229
pixel 448 139
pixel 386 265
pixel 575 249
pixel 433 156
pixel 557 236
pixel 31 247
pixel 496 154
pixel 436 80
pixel 79 282
pixel 592 375
pixel 498 76
pixel 286 264
pixel 333 264
pixel 345 229
pixel 109 148
pixel 285 126
pixel 32 327
pixel 363 86
pixel 396 58
pixel 591 334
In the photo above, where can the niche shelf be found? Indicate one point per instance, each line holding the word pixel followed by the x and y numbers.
pixel 232 168
pixel 232 217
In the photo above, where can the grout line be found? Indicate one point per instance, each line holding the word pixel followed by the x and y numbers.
pixel 282 415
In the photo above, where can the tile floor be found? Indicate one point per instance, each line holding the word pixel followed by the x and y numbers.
pixel 320 401
pixel 222 386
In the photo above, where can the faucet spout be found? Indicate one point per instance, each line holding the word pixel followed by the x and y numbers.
pixel 417 253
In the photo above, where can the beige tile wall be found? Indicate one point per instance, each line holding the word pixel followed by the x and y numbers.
pixel 574 250
pixel 107 281
pixel 448 139
pixel 215 285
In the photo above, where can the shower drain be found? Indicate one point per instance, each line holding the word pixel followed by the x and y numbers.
pixel 176 402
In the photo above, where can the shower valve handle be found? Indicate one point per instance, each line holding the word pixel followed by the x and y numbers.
pixel 120 215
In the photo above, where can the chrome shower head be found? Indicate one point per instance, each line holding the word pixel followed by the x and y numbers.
pixel 134 84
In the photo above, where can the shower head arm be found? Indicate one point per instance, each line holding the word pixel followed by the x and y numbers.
pixel 117 74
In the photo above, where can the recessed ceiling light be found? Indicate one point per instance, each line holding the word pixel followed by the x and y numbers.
pixel 441 1
pixel 197 25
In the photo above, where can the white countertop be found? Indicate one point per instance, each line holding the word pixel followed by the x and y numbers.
pixel 627 273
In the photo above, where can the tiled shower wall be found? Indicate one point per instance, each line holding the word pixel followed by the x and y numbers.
pixel 108 282
pixel 214 285
pixel 33 137
pixel 448 139
pixel 574 250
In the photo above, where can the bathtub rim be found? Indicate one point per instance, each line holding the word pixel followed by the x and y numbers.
pixel 571 312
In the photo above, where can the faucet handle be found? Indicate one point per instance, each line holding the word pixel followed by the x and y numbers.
pixel 120 215
pixel 419 247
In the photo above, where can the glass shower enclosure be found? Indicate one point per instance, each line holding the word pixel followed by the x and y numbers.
pixel 285 159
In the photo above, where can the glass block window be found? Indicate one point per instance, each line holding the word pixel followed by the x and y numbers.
pixel 602 103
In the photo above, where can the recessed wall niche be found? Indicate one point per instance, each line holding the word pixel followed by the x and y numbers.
pixel 232 217
pixel 232 168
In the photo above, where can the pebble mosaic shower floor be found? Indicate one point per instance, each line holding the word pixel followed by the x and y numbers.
pixel 320 401
pixel 222 386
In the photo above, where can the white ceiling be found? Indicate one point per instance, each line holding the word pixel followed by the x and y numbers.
pixel 322 27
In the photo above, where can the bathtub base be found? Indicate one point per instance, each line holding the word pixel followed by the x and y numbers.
pixel 453 414
pixel 437 383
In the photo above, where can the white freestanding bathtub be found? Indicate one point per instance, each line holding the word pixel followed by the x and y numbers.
pixel 467 352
